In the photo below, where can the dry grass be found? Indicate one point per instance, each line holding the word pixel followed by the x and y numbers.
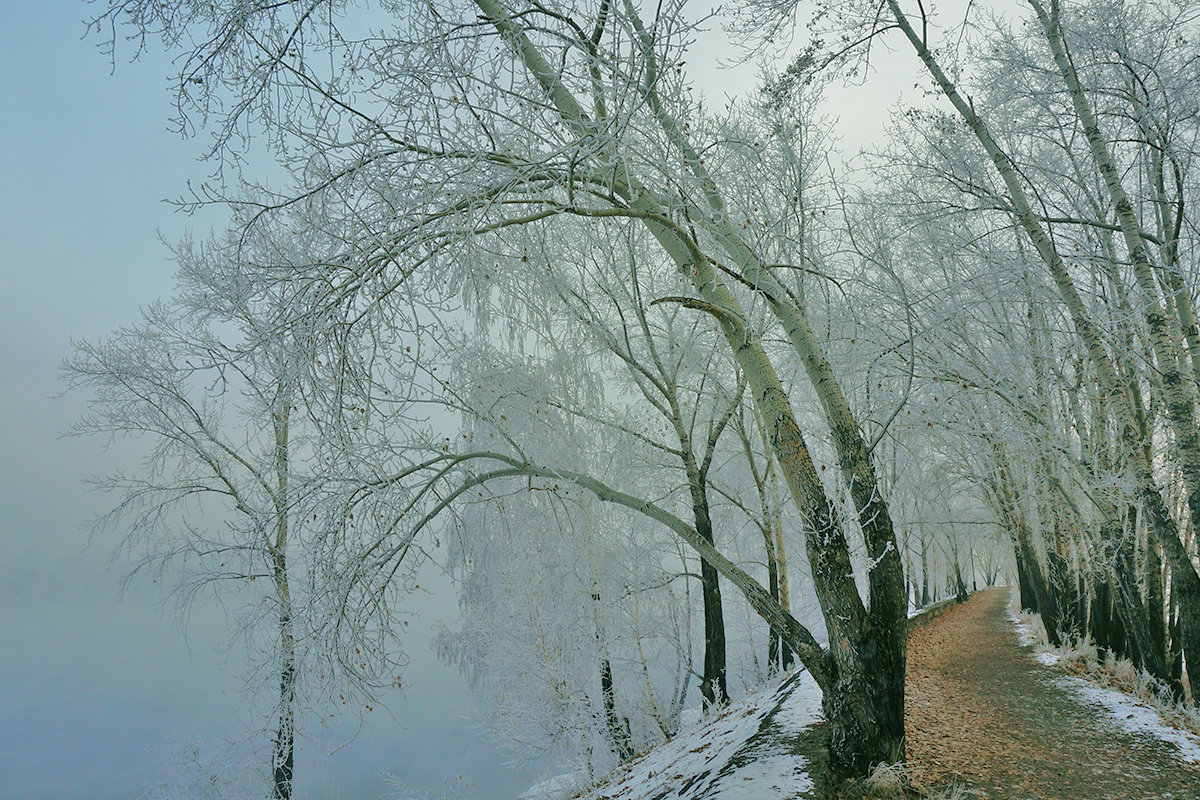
pixel 1031 626
pixel 896 782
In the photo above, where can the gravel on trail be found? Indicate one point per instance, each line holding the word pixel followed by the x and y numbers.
pixel 982 712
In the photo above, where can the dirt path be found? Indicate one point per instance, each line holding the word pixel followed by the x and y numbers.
pixel 980 709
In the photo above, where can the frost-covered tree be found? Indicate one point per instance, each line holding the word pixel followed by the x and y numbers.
pixel 430 136
pixel 230 499
pixel 1062 140
pixel 1114 82
pixel 658 360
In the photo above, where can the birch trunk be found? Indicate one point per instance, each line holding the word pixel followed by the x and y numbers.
pixel 283 757
pixel 863 671
pixel 1178 392
pixel 1180 409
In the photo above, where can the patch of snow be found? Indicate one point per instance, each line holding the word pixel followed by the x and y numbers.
pixel 1026 635
pixel 697 763
pixel 1128 712
pixel 803 706
pixel 1024 629
pixel 555 788
pixel 773 776
pixel 773 771
pixel 915 611
pixel 690 718
pixel 1135 716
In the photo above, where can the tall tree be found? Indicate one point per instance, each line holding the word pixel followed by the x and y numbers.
pixel 228 498
pixel 460 123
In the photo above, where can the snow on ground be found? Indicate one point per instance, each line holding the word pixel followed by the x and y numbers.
pixel 741 754
pixel 556 787
pixel 1024 625
pixel 916 611
pixel 1135 716
pixel 744 753
pixel 1128 712
pixel 1046 657
pixel 768 768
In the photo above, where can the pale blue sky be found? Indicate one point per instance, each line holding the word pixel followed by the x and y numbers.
pixel 95 689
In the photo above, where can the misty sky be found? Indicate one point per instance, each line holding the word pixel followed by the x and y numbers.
pixel 98 689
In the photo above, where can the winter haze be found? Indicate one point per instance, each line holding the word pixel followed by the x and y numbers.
pixel 109 683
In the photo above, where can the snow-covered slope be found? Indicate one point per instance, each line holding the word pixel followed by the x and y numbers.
pixel 753 750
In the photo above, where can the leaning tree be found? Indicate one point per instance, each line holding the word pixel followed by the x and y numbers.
pixel 423 140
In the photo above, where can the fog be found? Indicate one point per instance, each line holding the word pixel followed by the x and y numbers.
pixel 102 686
pixel 104 683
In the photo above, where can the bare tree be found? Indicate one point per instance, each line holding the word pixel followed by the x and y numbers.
pixel 229 499
pixel 424 144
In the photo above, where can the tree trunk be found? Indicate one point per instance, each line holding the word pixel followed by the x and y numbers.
pixel 1024 590
pixel 960 587
pixel 1188 588
pixel 1161 531
pixel 1082 602
pixel 971 556
pixel 924 567
pixel 1061 585
pixel 1175 656
pixel 773 641
pixel 713 687
pixel 283 757
pixel 1117 639
pixel 1155 600
pixel 862 676
pixel 866 714
pixel 618 734
pixel 1100 616
pixel 775 520
pixel 1015 519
